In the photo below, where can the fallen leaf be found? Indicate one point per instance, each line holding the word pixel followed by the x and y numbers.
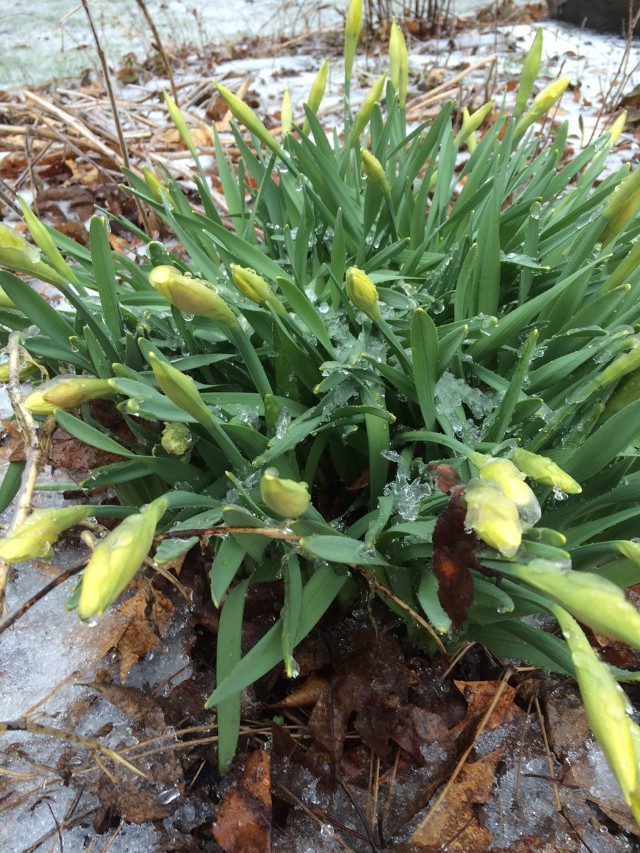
pixel 243 824
pixel 453 825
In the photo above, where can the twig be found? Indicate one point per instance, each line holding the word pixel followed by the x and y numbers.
pixel 373 580
pixel 34 447
pixel 114 109
pixel 12 618
pixel 23 725
pixel 159 47
pixel 72 120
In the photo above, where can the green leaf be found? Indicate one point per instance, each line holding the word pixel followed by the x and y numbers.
pixel 224 568
pixel 105 276
pixel 425 351
pixel 228 656
pixel 290 613
pixel 50 322
pixel 317 595
pixel 11 483
pixel 341 549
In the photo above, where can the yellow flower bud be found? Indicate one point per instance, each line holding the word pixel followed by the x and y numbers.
pixel 42 238
pixel 368 103
pixel 590 598
pixel 24 372
pixel 470 123
pixel 286 114
pixel 621 365
pixel 362 292
pixel 35 536
pixel 629 548
pixel 608 710
pixel 529 72
pixel 67 392
pixel 19 255
pixel 117 558
pixel 191 295
pixel 316 93
pixel 284 497
pixel 352 25
pixel 180 389
pixel 154 185
pixel 176 439
pixel 510 481
pixel 246 116
pixel 255 288
pixel 398 63
pixel 621 207
pixel 493 517
pixel 178 119
pixel 545 471
pixel 373 169
pixel 617 127
pixel 541 105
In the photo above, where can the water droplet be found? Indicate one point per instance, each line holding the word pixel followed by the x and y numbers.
pixel 559 495
pixel 323 308
pixel 437 306
pixel 327 831
pixel 168 796
pixel 90 622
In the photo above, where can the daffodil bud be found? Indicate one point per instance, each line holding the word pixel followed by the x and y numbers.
pixel 67 392
pixel 191 295
pixel 154 185
pixel 176 439
pixel 352 25
pixel 621 365
pixel 284 497
pixel 608 711
pixel 40 530
pixel 316 93
pixel 181 126
pixel 629 548
pixel 180 389
pixel 541 105
pixel 493 517
pixel 368 103
pixel 530 69
pixel 286 113
pixel 117 558
pixel 24 371
pixel 246 116
pixel 590 598
pixel 255 288
pixel 621 207
pixel 362 292
pixel 398 63
pixel 627 392
pixel 617 127
pixel 373 169
pixel 471 122
pixel 17 254
pixel 510 481
pixel 545 471
pixel 44 240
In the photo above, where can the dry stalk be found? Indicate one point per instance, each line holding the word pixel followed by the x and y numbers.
pixel 114 109
pixel 35 447
pixel 24 725
pixel 159 47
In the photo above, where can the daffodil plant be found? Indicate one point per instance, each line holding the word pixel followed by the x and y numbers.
pixel 353 319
